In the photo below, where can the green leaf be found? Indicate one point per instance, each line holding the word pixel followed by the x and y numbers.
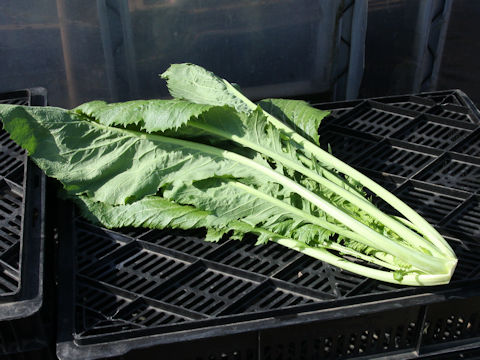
pixel 227 201
pixel 312 235
pixel 214 235
pixel 212 124
pixel 262 206
pixel 297 114
pixel 148 115
pixel 155 212
pixel 152 212
pixel 112 165
pixel 250 214
pixel 194 83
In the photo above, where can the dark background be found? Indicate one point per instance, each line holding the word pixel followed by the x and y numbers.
pixel 390 60
pixel 277 44
pixel 460 66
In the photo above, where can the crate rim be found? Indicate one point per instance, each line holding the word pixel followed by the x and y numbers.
pixel 299 316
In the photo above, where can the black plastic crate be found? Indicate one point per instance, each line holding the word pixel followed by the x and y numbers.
pixel 23 328
pixel 139 293
pixel 455 100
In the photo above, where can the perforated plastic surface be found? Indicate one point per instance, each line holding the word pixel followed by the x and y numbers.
pixel 147 288
pixel 10 234
pixel 11 204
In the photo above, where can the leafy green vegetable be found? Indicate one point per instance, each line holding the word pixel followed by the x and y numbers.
pixel 193 83
pixel 213 159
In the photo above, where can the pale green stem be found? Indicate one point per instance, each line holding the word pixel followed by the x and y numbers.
pixel 427 230
pixel 371 238
pixel 359 255
pixel 333 177
pixel 337 247
pixel 408 235
pixel 303 214
pixel 386 276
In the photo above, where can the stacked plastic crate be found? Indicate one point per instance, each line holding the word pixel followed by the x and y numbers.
pixel 25 328
pixel 138 293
